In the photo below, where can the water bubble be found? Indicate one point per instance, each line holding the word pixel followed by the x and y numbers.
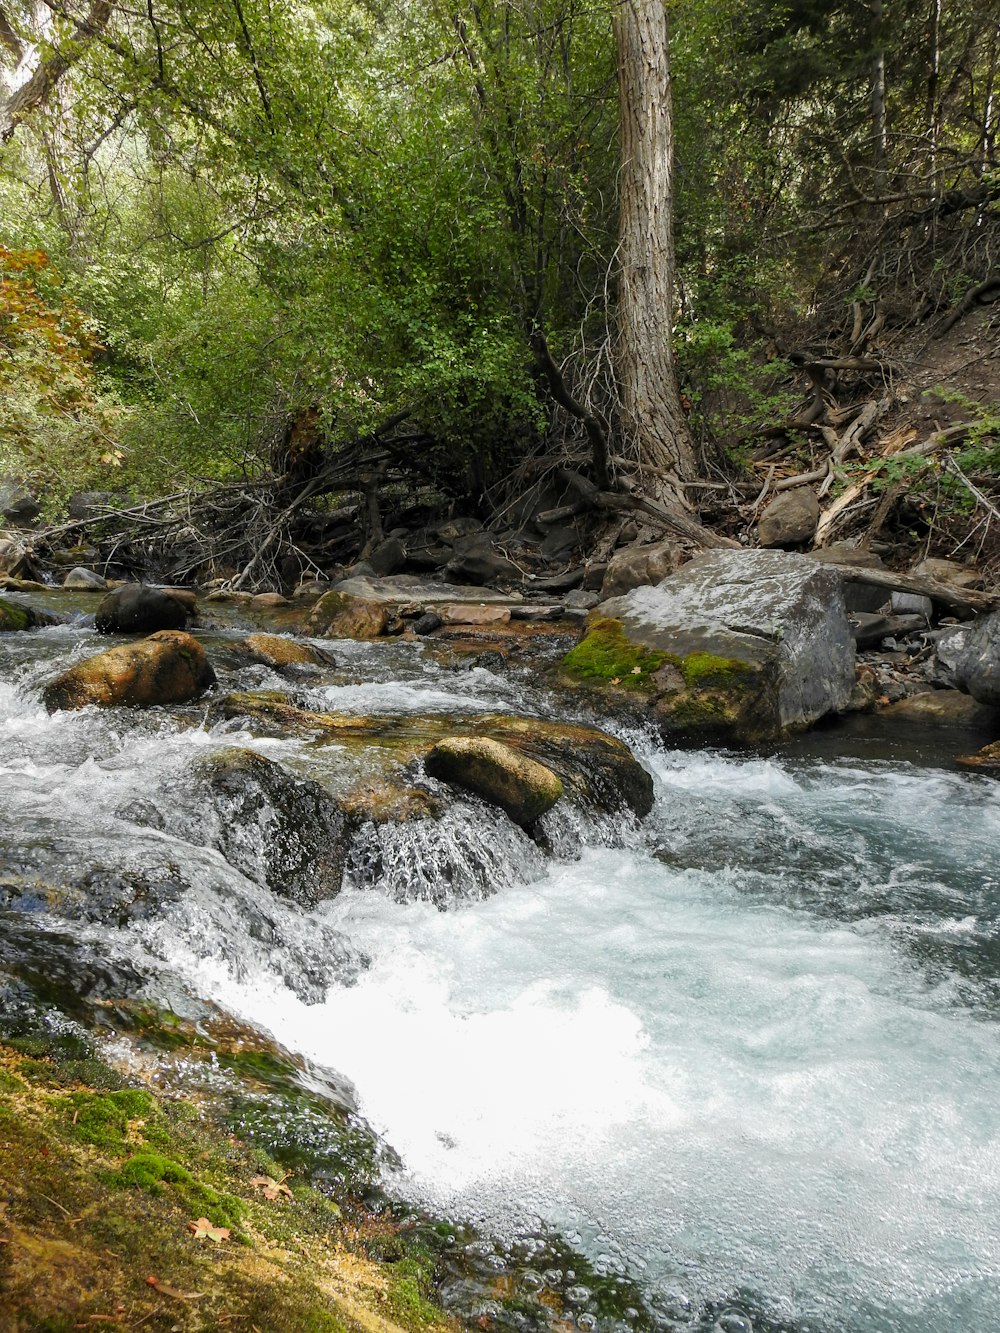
pixel 532 1281
pixel 733 1321
pixel 577 1295
pixel 587 1322
pixel 553 1276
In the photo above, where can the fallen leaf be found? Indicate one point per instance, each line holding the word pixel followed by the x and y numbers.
pixel 272 1189
pixel 165 1289
pixel 204 1230
pixel 637 671
pixel 616 680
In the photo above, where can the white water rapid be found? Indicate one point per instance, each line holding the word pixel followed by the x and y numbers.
pixel 751 1057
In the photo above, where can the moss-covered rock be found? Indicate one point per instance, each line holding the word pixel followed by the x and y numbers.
pixel 168 667
pixel 14 617
pixel 737 645
pixel 520 786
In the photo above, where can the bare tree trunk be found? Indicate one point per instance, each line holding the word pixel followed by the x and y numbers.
pixel 655 426
pixel 879 138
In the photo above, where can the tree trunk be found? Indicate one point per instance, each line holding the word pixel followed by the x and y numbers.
pixel 655 426
pixel 877 99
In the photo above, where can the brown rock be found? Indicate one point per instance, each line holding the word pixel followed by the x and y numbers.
pixel 267 599
pixel 338 615
pixel 520 786
pixel 789 519
pixel 635 566
pixel 987 760
pixel 275 651
pixel 168 667
pixel 946 708
pixel 459 613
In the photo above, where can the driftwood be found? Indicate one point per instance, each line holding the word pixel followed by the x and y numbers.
pixel 593 498
pixel 963 601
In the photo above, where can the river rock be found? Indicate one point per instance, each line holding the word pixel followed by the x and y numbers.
pixel 137 608
pixel 467 613
pixel 338 615
pixel 520 786
pixel 84 580
pixel 18 507
pixel 15 617
pixel 388 557
pixel 790 519
pixel 274 650
pixel 949 572
pixel 858 596
pixel 599 773
pixel 276 828
pixel 944 708
pixel 415 590
pixel 986 760
pixel 971 657
pixel 634 566
pixel 744 645
pixel 167 668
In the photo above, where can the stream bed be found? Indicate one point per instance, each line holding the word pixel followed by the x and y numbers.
pixel 745 1055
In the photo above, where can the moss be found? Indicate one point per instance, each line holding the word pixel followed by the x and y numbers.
pixel 103 1119
pixel 14 617
pixel 606 656
pixel 150 1171
pixel 704 669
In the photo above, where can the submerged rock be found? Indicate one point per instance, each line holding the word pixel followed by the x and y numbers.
pixel 84 580
pixel 167 668
pixel 520 786
pixel 744 645
pixel 136 608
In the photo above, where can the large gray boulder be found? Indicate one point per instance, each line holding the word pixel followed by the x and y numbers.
pixel 971 658
pixel 136 608
pixel 744 645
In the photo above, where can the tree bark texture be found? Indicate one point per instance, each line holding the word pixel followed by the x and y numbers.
pixel 653 419
pixel 51 68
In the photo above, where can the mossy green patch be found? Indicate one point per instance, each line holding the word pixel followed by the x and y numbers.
pixel 14 617
pixel 607 656
pixel 152 1171
pixel 705 669
pixel 103 1119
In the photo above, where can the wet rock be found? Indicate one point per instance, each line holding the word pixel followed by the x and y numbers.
pixel 578 600
pixel 14 617
pixel 338 615
pixel 599 772
pixel 168 667
pixel 274 650
pixel 971 655
pixel 520 786
pixel 986 760
pixel 137 608
pixel 427 623
pixel 869 629
pixel 269 600
pixel 945 708
pixel 790 519
pixel 276 828
pixel 84 580
pixel 635 566
pixel 744 645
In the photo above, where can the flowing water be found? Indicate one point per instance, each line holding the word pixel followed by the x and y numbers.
pixel 747 1054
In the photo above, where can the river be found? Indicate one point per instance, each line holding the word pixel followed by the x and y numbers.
pixel 746 1054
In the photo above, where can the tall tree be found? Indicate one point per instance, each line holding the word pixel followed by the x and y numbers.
pixel 655 426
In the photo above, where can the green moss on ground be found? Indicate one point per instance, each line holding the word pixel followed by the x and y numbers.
pixel 98 1185
pixel 14 617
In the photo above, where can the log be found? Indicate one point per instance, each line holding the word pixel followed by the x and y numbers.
pixel 963 601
